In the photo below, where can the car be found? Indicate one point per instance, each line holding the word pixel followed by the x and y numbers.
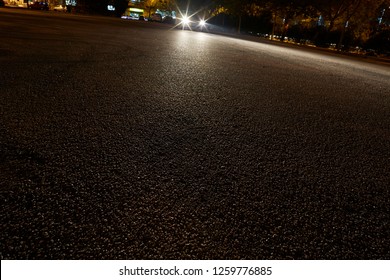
pixel 169 20
pixel 156 17
pixel 59 8
pixel 133 17
pixel 39 6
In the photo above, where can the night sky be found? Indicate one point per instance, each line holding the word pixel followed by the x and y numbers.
pixel 194 4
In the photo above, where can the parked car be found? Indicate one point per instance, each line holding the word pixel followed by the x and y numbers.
pixel 39 6
pixel 156 17
pixel 59 8
pixel 133 17
pixel 169 20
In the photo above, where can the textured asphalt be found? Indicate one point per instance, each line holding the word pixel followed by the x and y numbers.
pixel 128 140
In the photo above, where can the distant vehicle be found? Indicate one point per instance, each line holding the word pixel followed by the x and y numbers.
pixel 59 8
pixel 156 17
pixel 2 3
pixel 39 6
pixel 169 20
pixel 133 17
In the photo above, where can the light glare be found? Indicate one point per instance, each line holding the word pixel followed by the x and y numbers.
pixel 185 20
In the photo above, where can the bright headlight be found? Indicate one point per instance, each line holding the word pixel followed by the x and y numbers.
pixel 185 20
pixel 202 22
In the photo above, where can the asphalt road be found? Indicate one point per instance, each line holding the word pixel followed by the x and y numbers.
pixel 129 140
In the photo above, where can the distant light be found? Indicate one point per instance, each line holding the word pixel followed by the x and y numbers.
pixel 110 8
pixel 70 3
pixel 202 22
pixel 136 10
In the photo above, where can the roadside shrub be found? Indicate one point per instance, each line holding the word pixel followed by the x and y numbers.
pixel 379 42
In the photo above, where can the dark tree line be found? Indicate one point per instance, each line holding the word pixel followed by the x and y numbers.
pixel 341 23
pixel 100 6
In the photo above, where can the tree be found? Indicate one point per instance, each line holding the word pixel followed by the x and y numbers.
pixel 237 8
pixel 120 6
pixel 164 5
pixel 150 5
pixel 346 15
pixel 92 6
pixel 324 21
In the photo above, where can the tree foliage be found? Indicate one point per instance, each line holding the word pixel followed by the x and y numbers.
pixel 341 22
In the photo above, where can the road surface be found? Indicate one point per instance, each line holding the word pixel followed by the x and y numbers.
pixel 132 140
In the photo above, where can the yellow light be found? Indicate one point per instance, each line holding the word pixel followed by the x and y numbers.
pixel 136 10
